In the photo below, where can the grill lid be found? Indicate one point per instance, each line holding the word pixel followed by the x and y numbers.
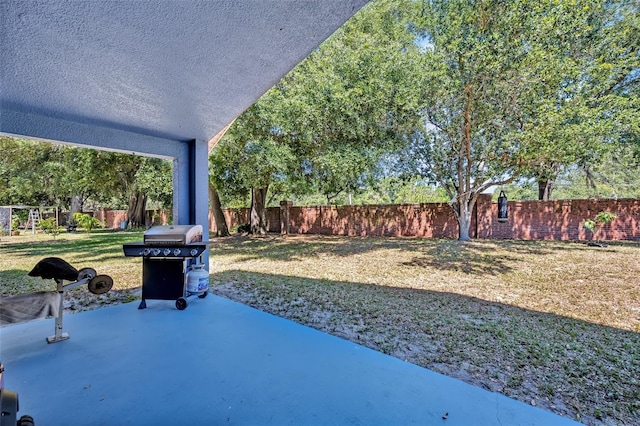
pixel 175 234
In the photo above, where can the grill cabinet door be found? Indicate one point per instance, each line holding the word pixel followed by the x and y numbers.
pixel 163 278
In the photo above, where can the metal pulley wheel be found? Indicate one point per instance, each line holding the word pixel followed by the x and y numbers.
pixel 86 273
pixel 100 284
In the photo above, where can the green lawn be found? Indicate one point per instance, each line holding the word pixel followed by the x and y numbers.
pixel 555 324
pixel 101 250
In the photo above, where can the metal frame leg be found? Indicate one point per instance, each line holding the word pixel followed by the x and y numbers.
pixel 59 335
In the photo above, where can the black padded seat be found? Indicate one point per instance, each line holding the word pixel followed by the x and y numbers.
pixel 56 268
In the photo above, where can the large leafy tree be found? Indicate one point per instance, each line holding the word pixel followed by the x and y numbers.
pixel 251 158
pixel 508 89
pixel 37 173
pixel 324 126
pixel 23 175
pixel 353 99
pixel 588 103
pixel 144 179
pixel 81 174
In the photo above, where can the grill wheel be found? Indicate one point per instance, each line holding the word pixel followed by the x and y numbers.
pixel 181 304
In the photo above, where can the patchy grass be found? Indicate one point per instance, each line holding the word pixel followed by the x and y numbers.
pixel 100 250
pixel 555 324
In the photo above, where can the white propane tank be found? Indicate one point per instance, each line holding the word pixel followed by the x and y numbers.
pixel 197 279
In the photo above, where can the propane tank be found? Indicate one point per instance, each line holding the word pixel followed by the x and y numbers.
pixel 197 279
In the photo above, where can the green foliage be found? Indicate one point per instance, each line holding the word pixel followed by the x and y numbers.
pixel 324 126
pixel 20 181
pixel 587 104
pixel 65 172
pixel 521 87
pixel 50 226
pixel 154 177
pixel 601 219
pixel 15 222
pixel 87 221
pixel 590 224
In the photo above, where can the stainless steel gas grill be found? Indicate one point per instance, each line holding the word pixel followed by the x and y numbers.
pixel 172 263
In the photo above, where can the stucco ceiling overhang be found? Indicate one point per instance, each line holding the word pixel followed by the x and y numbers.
pixel 169 70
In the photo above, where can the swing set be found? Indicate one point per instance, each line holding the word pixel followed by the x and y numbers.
pixel 12 219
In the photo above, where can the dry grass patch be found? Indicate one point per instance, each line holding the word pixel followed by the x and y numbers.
pixel 550 323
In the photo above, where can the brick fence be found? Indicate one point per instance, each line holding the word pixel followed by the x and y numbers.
pixel 559 220
pixel 528 220
pixel 113 219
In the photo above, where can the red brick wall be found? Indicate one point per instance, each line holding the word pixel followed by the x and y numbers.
pixel 234 217
pixel 112 218
pixel 409 220
pixel 559 220
pixel 528 220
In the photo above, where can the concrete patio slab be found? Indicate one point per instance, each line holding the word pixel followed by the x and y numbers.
pixel 222 363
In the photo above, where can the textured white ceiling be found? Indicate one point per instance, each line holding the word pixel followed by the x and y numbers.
pixel 172 69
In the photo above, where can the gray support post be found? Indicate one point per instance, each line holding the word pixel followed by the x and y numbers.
pixel 191 188
pixel 199 193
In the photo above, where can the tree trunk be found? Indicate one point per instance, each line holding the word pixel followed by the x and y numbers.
pixel 465 210
pixel 75 207
pixel 546 182
pixel 258 216
pixel 545 187
pixel 137 207
pixel 222 230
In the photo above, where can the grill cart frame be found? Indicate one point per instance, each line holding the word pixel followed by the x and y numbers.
pixel 167 253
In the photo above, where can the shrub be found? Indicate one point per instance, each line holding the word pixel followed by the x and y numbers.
pixel 15 223
pixel 602 218
pixel 50 226
pixel 86 221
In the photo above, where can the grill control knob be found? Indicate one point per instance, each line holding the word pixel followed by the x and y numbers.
pixel 146 252
pixel 176 252
pixel 193 252
pixel 155 252
pixel 166 252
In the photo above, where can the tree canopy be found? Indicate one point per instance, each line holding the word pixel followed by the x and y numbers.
pixel 40 173
pixel 325 125
pixel 468 95
pixel 520 87
pixel 409 100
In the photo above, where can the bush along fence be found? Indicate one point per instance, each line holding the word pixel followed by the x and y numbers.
pixel 527 220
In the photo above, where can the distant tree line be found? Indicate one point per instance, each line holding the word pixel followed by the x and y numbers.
pixel 39 173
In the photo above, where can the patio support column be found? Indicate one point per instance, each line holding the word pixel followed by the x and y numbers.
pixel 191 188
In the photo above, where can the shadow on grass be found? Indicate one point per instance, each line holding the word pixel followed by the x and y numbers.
pixel 572 367
pixel 488 257
pixel 466 258
pixel 296 247
pixel 16 281
pixel 477 257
